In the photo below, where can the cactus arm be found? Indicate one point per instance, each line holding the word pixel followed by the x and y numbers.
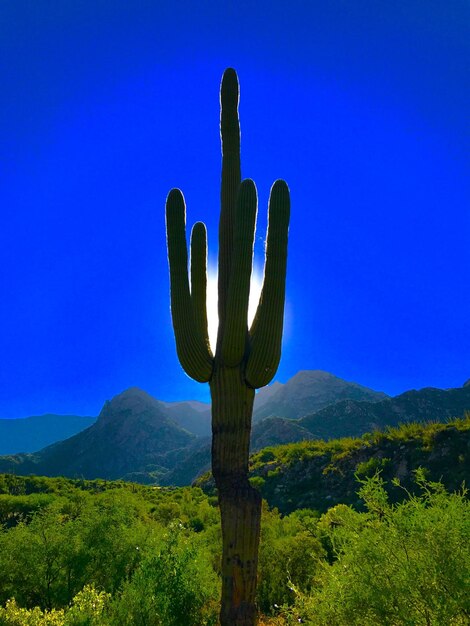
pixel 192 351
pixel 199 280
pixel 236 323
pixel 231 177
pixel 266 330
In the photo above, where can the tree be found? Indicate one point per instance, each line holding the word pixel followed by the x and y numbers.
pixel 245 359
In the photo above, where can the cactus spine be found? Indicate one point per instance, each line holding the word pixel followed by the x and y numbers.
pixel 245 359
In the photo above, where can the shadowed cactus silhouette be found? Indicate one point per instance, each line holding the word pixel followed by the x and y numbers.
pixel 245 359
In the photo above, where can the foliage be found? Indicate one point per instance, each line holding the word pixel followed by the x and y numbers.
pixel 174 585
pixel 319 474
pixel 70 542
pixel 87 609
pixel 395 565
pixel 119 538
pixel 119 555
pixel 290 553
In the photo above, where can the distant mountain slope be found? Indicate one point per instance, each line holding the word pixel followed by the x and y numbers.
pixel 348 418
pixel 309 391
pixel 301 395
pixel 318 474
pixel 33 433
pixel 194 461
pixel 274 431
pixel 192 416
pixel 353 418
pixel 132 434
pixel 135 437
pixel 304 393
pixel 264 394
pixel 196 458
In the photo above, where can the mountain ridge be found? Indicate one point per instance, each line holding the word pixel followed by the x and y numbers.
pixel 29 434
pixel 139 437
pixel 113 446
pixel 309 391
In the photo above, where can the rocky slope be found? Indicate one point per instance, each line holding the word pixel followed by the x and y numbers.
pixel 133 434
pixel 353 418
pixel 309 391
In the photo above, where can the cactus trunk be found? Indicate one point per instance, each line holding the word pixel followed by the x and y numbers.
pixel 244 359
pixel 240 504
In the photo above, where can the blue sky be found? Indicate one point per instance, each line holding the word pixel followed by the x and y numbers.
pixel 362 107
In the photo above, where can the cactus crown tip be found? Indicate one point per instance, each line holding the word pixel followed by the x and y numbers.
pixel 281 184
pixel 230 83
pixel 174 193
pixel 230 73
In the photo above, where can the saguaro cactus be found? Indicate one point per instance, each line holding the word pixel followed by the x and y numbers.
pixel 244 359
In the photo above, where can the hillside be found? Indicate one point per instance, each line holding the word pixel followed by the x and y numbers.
pixel 131 435
pixel 196 458
pixel 347 418
pixel 136 438
pixel 320 474
pixel 351 418
pixel 194 417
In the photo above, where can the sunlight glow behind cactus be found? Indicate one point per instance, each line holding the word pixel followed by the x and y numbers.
pixel 212 315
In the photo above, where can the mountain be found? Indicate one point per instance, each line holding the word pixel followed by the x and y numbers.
pixel 192 416
pixel 351 418
pixel 309 391
pixel 139 438
pixel 304 393
pixel 347 418
pixel 194 461
pixel 265 394
pixel 29 434
pixel 196 458
pixel 132 435
pixel 274 431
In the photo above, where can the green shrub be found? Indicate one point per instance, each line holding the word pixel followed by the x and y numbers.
pixel 174 586
pixel 289 554
pixel 87 609
pixel 399 565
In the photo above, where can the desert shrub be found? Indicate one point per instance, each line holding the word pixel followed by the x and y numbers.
pixel 175 585
pixel 289 555
pixel 87 609
pixel 396 565
pixel 372 466
pixel 69 544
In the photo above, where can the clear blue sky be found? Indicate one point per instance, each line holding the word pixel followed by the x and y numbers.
pixel 361 106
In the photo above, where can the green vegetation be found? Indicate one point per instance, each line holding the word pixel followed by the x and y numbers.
pixel 318 474
pixel 144 555
pixel 406 564
pixel 98 553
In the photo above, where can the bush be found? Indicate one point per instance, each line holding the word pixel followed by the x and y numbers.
pixel 175 586
pixel 396 565
pixel 289 555
pixel 87 609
